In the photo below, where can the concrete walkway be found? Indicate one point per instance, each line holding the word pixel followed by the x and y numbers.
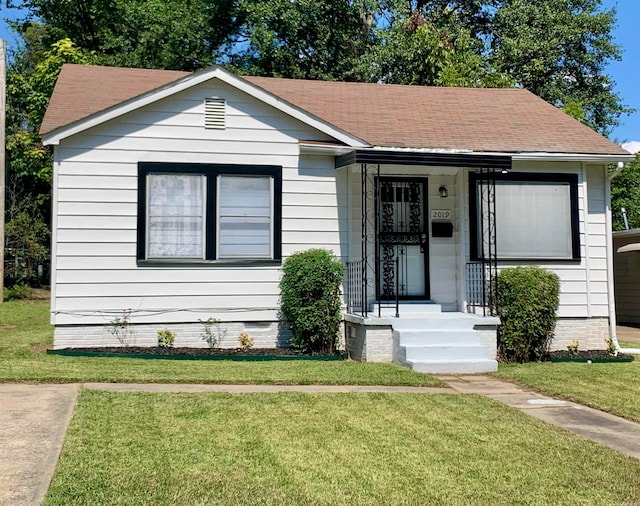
pixel 606 429
pixel 628 334
pixel 34 419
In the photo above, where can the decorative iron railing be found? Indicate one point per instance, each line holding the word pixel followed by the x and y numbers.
pixel 480 284
pixel 353 289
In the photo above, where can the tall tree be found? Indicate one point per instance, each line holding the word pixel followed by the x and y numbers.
pixel 442 53
pixel 30 80
pixel 180 35
pixel 559 49
pixel 312 39
pixel 625 193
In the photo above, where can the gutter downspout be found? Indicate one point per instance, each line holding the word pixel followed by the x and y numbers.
pixel 610 283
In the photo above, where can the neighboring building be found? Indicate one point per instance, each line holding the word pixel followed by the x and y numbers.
pixel 177 196
pixel 626 269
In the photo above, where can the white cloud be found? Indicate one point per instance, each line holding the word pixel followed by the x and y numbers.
pixel 632 147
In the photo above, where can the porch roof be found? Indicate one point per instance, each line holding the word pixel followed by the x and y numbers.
pixel 508 120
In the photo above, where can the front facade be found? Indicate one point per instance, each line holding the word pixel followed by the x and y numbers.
pixel 178 204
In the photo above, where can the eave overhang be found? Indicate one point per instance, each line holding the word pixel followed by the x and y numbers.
pixel 466 158
pixel 429 158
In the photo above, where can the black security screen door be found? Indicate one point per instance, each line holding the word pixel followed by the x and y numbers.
pixel 402 239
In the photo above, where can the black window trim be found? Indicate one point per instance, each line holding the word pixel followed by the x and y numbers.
pixel 211 171
pixel 542 177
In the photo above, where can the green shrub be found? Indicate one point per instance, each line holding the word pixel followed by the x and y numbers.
pixel 16 292
pixel 527 300
pixel 310 299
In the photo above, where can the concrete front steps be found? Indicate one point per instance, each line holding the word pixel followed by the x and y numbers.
pixel 428 340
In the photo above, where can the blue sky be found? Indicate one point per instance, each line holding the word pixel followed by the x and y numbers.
pixel 625 73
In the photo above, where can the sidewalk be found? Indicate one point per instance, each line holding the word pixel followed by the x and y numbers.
pixel 34 419
pixel 606 429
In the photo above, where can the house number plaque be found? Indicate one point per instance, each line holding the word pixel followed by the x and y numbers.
pixel 441 214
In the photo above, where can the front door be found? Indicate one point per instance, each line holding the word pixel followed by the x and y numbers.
pixel 402 239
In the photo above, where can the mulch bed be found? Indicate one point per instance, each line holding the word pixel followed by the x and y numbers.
pixel 586 355
pixel 195 353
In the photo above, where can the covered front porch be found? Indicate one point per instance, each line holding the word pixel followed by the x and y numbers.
pixel 415 292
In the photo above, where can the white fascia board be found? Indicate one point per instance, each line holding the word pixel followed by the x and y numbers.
pixel 520 156
pixel 323 149
pixel 187 82
pixel 571 157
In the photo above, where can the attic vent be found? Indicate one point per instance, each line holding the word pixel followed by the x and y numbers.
pixel 214 113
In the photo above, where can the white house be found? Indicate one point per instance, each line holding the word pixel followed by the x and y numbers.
pixel 176 197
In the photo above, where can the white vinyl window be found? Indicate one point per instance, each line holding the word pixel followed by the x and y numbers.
pixel 534 219
pixel 245 210
pixel 176 216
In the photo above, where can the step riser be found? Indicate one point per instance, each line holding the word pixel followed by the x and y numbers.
pixel 461 367
pixel 440 323
pixel 425 337
pixel 409 312
pixel 449 353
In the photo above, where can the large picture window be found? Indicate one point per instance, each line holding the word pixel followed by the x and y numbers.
pixel 536 216
pixel 204 213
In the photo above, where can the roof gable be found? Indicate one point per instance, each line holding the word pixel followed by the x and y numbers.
pixel 508 120
pixel 69 114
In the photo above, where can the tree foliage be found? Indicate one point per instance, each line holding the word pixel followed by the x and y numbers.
pixel 559 49
pixel 179 35
pixel 625 193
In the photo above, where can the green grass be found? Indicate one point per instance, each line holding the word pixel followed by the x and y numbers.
pixel 25 333
pixel 305 449
pixel 612 387
pixel 628 344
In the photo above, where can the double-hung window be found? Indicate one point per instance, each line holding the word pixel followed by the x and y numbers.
pixel 204 213
pixel 536 216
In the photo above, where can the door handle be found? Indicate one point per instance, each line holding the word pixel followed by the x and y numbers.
pixel 423 242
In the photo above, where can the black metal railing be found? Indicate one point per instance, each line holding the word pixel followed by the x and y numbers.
pixel 480 284
pixel 353 288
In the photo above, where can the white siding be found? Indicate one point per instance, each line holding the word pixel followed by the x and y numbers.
pixel 95 273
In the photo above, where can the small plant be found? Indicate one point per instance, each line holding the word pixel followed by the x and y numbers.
pixel 16 292
pixel 611 349
pixel 573 348
pixel 120 328
pixel 212 332
pixel 246 341
pixel 166 338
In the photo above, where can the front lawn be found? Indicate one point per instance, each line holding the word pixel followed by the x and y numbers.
pixel 612 387
pixel 306 449
pixel 25 333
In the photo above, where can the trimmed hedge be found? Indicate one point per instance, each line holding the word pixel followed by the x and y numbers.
pixel 527 300
pixel 310 299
